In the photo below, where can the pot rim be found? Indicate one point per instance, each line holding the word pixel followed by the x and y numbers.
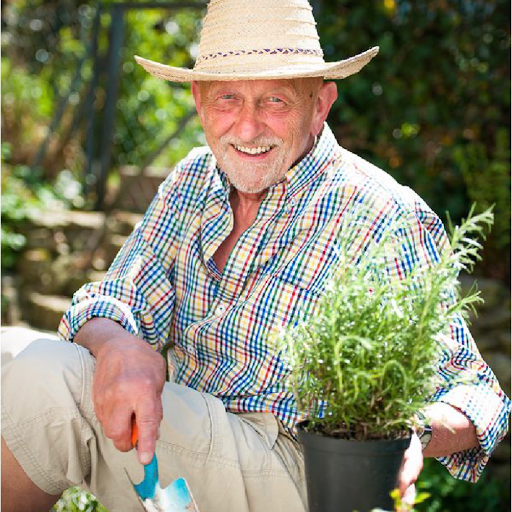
pixel 301 430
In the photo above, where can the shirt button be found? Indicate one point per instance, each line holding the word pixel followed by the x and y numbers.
pixel 221 309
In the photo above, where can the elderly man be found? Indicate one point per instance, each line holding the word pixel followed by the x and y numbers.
pixel 239 239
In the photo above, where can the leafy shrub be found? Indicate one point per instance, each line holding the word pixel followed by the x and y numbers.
pixel 25 192
pixel 440 84
pixel 448 494
pixel 147 109
pixel 27 104
pixel 78 500
pixel 367 359
pixel 487 179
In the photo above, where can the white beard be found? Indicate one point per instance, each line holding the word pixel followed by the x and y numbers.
pixel 252 178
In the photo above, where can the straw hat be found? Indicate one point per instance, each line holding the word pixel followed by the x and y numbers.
pixel 259 40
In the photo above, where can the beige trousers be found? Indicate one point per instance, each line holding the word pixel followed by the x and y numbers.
pixel 232 462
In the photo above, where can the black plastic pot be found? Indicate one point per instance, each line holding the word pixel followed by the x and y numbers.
pixel 348 476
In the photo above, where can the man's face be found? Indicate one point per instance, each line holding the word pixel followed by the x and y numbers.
pixel 257 129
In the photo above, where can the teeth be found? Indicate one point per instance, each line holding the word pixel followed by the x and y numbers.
pixel 254 151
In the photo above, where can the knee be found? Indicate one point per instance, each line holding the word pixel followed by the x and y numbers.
pixel 47 371
pixel 46 404
pixel 16 339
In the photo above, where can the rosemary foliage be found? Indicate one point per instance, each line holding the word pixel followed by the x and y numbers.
pixel 366 360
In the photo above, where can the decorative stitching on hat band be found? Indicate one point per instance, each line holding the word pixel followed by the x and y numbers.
pixel 262 51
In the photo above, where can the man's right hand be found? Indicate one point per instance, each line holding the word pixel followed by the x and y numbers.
pixel 128 382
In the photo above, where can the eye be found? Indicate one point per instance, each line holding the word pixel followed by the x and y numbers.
pixel 227 97
pixel 275 103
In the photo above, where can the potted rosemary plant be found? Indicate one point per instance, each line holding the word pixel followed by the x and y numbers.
pixel 365 363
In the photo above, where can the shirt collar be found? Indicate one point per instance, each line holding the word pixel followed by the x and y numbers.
pixel 313 163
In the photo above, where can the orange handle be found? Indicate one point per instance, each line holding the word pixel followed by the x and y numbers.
pixel 135 432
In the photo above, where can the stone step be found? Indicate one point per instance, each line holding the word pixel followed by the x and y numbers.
pixel 45 311
pixel 70 219
pixel 63 232
pixel 123 222
pixel 138 191
pixel 112 246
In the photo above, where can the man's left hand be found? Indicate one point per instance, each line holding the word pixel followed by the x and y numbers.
pixel 410 470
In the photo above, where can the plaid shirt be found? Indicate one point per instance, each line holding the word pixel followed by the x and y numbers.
pixel 165 287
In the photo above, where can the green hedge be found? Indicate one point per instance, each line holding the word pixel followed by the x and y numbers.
pixel 433 107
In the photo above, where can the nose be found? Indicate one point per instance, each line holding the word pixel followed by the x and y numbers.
pixel 249 124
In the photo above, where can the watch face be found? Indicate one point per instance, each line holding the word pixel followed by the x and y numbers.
pixel 426 436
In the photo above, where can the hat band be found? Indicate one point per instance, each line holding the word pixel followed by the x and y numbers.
pixel 262 51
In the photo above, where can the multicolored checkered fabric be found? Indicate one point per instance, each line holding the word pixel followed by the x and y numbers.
pixel 164 284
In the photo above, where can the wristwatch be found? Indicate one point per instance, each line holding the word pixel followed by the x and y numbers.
pixel 425 432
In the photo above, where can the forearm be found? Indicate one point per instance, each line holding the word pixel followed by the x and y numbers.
pixel 452 431
pixel 96 332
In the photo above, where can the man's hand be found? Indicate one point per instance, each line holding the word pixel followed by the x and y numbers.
pixel 410 471
pixel 452 432
pixel 128 382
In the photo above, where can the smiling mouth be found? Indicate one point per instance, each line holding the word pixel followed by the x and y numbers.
pixel 260 150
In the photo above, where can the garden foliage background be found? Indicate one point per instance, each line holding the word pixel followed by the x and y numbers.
pixel 432 109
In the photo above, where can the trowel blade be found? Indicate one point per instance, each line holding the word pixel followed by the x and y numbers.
pixel 176 497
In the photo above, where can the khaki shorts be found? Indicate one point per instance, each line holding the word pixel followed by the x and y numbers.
pixel 232 462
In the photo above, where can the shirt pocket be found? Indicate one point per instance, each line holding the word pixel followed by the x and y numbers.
pixel 311 268
pixel 272 305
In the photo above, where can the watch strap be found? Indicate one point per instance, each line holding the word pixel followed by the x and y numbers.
pixel 425 432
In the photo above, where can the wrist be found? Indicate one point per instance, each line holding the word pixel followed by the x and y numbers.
pixel 100 335
pixel 423 430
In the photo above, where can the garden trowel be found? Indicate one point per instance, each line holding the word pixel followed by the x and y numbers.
pixel 176 497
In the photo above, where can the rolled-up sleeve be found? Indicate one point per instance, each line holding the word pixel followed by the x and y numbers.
pixel 466 381
pixel 470 386
pixel 137 291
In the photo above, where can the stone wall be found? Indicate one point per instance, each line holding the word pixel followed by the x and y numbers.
pixel 57 260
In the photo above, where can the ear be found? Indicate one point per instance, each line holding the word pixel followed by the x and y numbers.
pixel 326 96
pixel 196 93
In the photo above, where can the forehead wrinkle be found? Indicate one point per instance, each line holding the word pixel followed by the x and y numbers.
pixel 296 85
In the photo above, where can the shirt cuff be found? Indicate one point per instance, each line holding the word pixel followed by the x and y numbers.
pixel 489 413
pixel 96 307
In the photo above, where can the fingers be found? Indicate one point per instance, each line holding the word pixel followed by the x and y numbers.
pixel 128 383
pixel 143 407
pixel 148 417
pixel 408 499
pixel 117 426
pixel 410 495
pixel 411 466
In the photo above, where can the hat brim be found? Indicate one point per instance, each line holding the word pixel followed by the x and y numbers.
pixel 329 70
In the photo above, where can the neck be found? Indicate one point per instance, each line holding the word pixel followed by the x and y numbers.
pixel 309 147
pixel 245 203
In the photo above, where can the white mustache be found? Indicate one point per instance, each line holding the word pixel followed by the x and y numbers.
pixel 259 141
